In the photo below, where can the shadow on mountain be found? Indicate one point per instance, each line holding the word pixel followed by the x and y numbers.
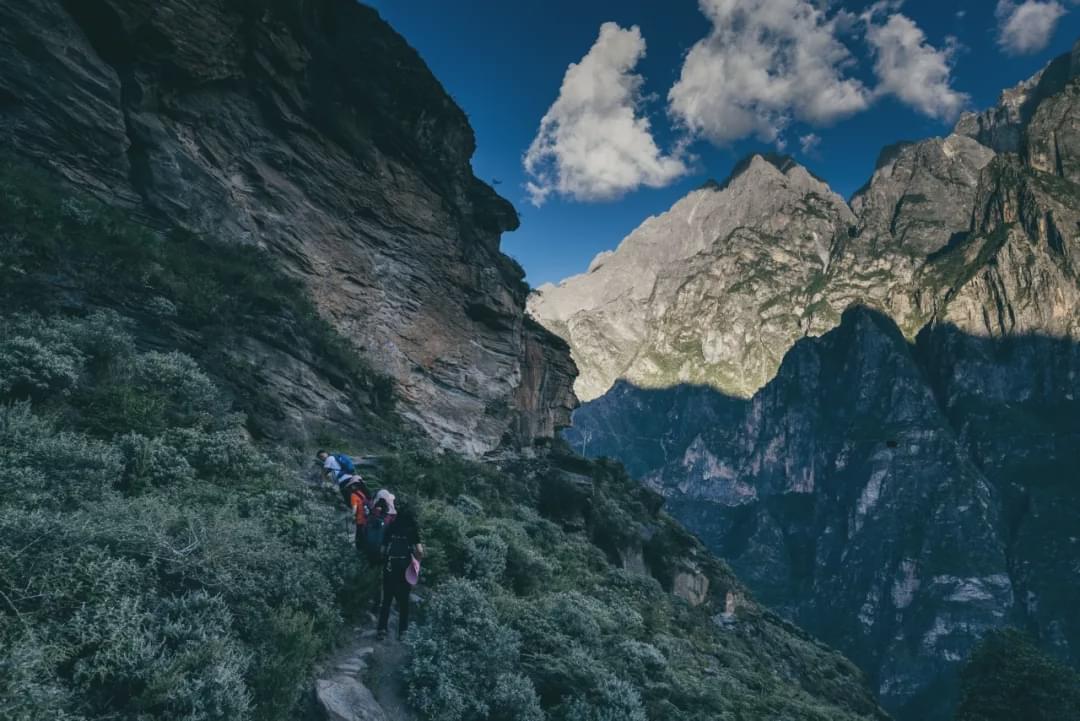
pixel 897 499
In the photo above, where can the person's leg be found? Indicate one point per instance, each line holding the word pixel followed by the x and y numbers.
pixel 375 575
pixel 403 590
pixel 387 598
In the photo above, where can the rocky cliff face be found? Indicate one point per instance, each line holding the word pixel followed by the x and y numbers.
pixel 907 480
pixel 920 195
pixel 311 129
pixel 707 292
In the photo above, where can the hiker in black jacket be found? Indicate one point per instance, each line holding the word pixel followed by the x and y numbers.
pixel 401 544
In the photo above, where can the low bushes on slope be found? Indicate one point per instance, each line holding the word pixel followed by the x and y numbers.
pixel 1008 677
pixel 530 601
pixel 154 562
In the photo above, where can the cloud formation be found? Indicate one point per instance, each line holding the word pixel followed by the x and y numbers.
pixel 764 63
pixel 809 143
pixel 911 69
pixel 593 142
pixel 1027 27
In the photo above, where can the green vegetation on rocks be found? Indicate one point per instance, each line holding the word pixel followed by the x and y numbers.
pixel 62 252
pixel 1008 677
pixel 160 559
pixel 154 561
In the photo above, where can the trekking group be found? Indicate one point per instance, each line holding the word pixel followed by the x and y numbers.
pixel 387 535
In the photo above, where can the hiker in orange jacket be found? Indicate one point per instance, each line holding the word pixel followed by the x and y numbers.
pixel 359 500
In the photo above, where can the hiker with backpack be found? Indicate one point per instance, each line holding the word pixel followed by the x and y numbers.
pixel 401 553
pixel 375 532
pixel 359 501
pixel 339 469
pixel 389 508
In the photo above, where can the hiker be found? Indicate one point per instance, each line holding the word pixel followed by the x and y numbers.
pixel 388 504
pixel 339 469
pixel 375 531
pixel 371 547
pixel 401 546
pixel 359 496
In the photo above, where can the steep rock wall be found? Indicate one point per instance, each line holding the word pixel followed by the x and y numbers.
pixel 310 128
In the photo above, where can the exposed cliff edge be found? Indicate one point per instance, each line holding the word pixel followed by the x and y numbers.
pixel 902 480
pixel 310 129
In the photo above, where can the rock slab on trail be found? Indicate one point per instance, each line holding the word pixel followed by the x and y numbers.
pixel 344 698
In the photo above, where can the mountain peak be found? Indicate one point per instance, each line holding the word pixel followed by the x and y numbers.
pixel 757 164
pixel 1001 127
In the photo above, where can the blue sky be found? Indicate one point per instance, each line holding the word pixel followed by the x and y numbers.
pixel 505 62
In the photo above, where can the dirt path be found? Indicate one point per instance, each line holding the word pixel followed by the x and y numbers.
pixel 362 681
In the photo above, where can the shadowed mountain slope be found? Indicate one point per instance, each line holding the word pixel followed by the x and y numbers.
pixel 905 481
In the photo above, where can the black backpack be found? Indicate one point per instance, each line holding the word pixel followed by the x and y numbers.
pixel 398 552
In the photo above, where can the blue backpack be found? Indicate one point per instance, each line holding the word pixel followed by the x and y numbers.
pixel 346 463
pixel 374 531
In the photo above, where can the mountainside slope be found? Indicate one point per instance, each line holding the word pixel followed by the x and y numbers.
pixel 310 129
pixel 926 492
pixel 917 477
pixel 171 345
pixel 194 576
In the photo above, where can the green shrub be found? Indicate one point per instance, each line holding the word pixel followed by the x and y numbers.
pixel 150 462
pixel 485 558
pixel 445 528
pixel 1007 677
pixel 614 700
pixel 45 468
pixel 30 368
pixel 456 653
pixel 29 690
pixel 514 699
pixel 154 562
pixel 40 357
pixel 171 658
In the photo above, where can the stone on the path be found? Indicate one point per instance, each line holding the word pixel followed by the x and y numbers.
pixel 346 699
pixel 351 666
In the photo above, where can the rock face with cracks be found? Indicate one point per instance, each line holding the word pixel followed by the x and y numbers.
pixel 895 468
pixel 313 130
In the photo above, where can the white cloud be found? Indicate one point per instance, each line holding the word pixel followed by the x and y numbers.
pixel 763 63
pixel 1027 28
pixel 809 143
pixel 911 69
pixel 593 143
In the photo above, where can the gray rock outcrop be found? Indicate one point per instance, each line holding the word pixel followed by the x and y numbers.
pixel 920 195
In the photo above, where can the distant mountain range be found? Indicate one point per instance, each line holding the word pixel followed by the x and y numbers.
pixel 868 407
